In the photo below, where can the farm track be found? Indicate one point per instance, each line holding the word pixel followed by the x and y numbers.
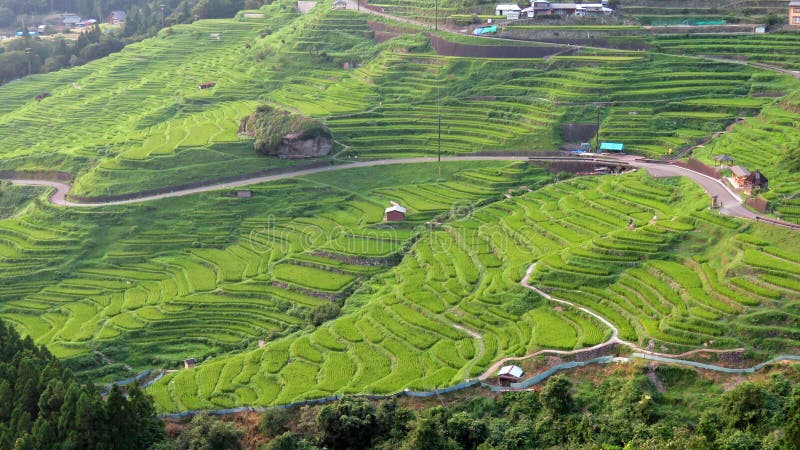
pixel 731 203
pixel 613 340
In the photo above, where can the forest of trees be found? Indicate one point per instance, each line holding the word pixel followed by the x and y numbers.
pixel 30 55
pixel 19 57
pixel 43 407
pixel 623 411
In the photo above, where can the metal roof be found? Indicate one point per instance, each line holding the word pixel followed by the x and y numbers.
pixel 395 207
pixel 739 171
pixel 514 371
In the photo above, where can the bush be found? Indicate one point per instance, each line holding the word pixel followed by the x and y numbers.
pixel 273 423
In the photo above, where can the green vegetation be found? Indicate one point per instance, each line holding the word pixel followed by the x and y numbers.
pixel 622 410
pixel 302 291
pixel 654 283
pixel 14 198
pixel 45 407
pixel 775 49
pixel 270 125
pixel 137 120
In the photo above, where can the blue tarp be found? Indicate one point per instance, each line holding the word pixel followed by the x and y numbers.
pixel 611 147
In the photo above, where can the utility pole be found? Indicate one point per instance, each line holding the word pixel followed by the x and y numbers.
pixel 597 138
pixel 162 6
pixel 28 55
pixel 439 133
pixel 436 17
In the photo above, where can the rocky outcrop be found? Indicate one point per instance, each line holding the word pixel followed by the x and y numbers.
pixel 296 146
pixel 285 134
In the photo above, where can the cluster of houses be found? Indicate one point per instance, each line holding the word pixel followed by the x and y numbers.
pixel 71 21
pixel 75 21
pixel 540 8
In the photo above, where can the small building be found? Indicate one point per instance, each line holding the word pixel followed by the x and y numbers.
pixel 740 174
pixel 723 159
pixel 510 373
pixel 189 363
pixel 244 194
pixel 794 13
pixel 615 147
pixel 509 11
pixel 206 85
pixel 71 21
pixel 116 17
pixel 755 180
pixel 339 4
pixel 395 213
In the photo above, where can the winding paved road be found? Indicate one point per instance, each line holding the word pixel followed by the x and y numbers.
pixel 731 203
pixel 62 190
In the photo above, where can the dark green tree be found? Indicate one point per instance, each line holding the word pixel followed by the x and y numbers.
pixel 556 395
pixel 347 424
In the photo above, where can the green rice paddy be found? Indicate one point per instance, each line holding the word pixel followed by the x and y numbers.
pixel 236 282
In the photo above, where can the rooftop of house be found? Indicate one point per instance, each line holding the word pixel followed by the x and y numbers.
pixel 395 207
pixel 508 6
pixel 514 371
pixel 739 171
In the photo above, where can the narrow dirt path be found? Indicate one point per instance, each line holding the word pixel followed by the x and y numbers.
pixel 613 340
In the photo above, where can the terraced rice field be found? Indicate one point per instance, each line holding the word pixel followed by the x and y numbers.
pixel 153 290
pixel 136 120
pixel 653 283
pixel 424 303
pixel 675 13
pixel 775 49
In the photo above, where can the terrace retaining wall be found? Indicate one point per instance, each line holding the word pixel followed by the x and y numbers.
pixel 757 203
pixel 525 384
pixel 35 175
pixel 446 48
pixel 197 184
pixel 697 166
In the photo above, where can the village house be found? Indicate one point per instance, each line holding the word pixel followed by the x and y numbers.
pixel 755 181
pixel 339 4
pixel 794 13
pixel 71 21
pixel 395 213
pixel 116 17
pixel 540 8
pixel 509 11
pixel 739 175
pixel 189 363
pixel 510 373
